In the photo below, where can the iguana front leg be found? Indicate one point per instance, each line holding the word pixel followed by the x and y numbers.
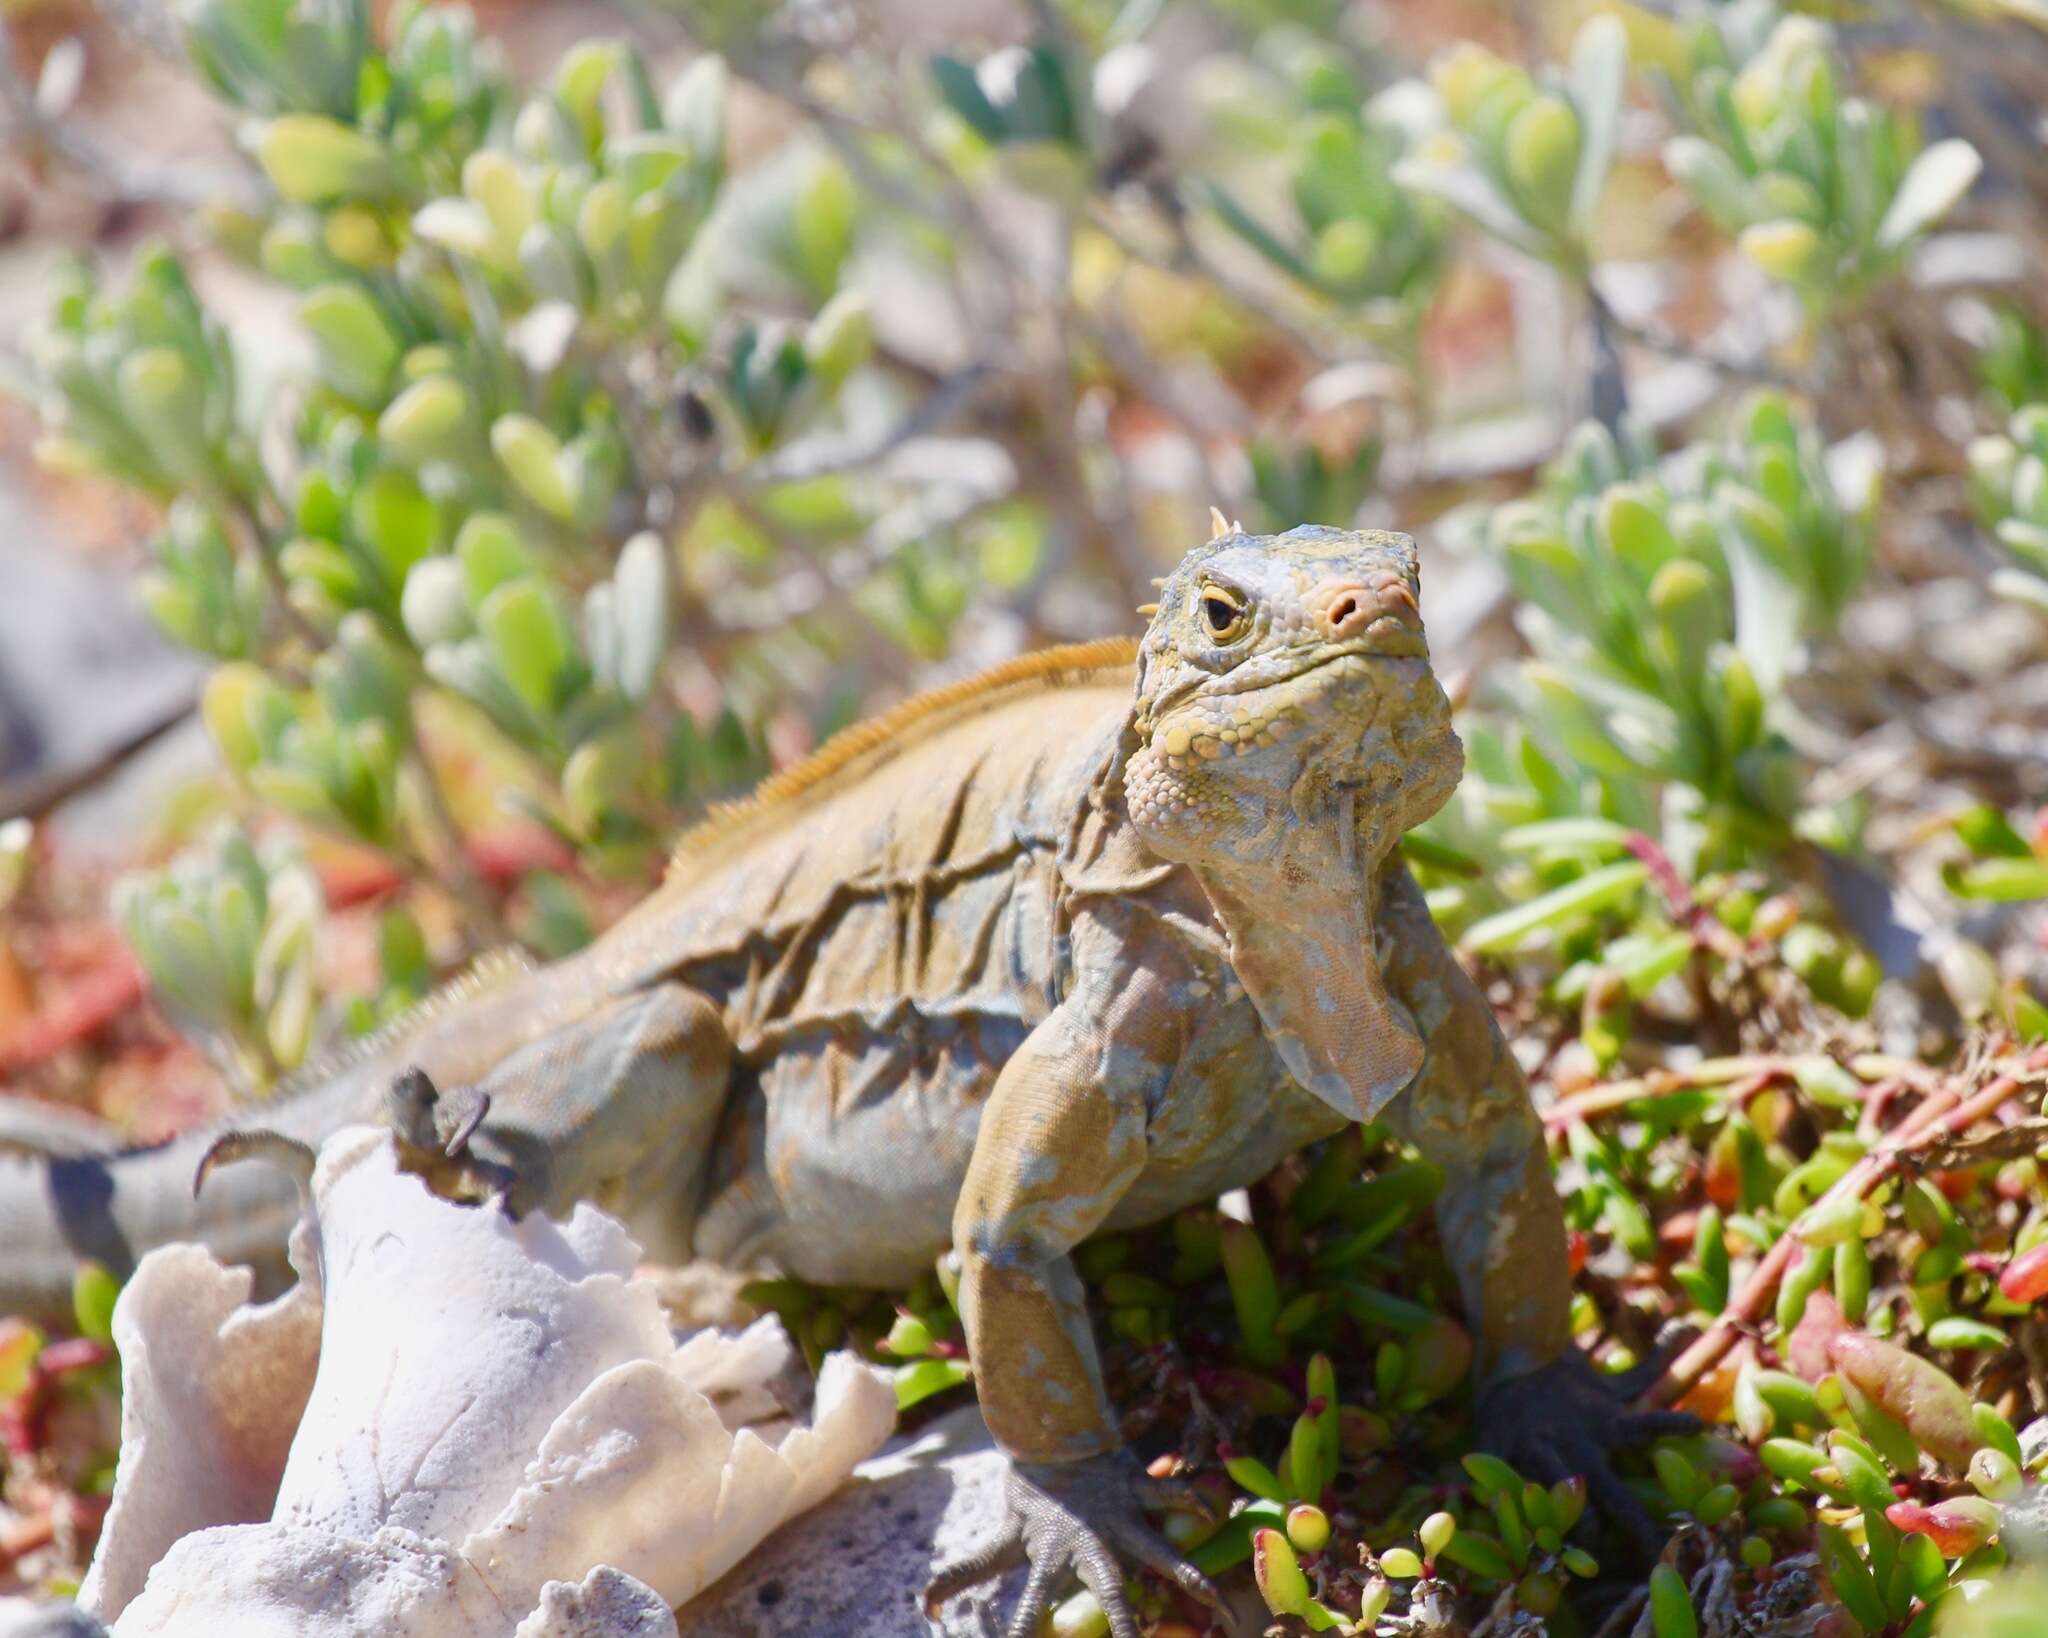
pixel 1542 1406
pixel 1062 1138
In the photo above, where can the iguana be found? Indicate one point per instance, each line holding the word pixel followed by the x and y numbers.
pixel 1095 936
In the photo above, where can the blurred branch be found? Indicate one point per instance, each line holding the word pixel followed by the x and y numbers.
pixel 1115 339
pixel 1608 379
pixel 1655 338
pixel 244 529
pixel 34 795
pixel 845 133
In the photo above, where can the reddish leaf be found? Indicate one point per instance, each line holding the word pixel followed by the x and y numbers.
pixel 502 855
pixel 1806 1350
pixel 1248 1390
pixel 1723 1174
pixel 1919 1393
pixel 352 875
pixel 1729 1459
pixel 1360 1432
pixel 1957 1526
pixel 2026 1277
pixel 1710 1397
pixel 72 1354
pixel 505 853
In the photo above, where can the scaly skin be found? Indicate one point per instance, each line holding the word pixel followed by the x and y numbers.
pixel 1055 951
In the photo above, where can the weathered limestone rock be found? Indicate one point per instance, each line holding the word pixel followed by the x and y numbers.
pixel 853 1566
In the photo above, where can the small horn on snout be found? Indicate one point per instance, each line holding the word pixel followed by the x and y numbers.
pixel 289 1155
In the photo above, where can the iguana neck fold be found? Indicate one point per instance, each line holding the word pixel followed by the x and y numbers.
pixel 1301 922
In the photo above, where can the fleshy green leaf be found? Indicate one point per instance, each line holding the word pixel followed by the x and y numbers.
pixel 1599 73
pixel 1596 890
pixel 529 640
pixel 1939 177
pixel 93 1294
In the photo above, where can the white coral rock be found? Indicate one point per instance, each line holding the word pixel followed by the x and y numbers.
pixel 454 1424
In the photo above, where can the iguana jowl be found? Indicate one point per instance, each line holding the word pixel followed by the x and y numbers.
pixel 1041 954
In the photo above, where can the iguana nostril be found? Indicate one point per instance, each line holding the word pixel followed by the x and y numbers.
pixel 1348 611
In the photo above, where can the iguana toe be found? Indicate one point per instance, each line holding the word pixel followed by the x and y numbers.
pixel 1566 1419
pixel 434 1130
pixel 1085 1517
pixel 409 1105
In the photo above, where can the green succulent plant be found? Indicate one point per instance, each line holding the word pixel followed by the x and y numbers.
pixel 1024 108
pixel 229 936
pixel 2009 490
pixel 1525 157
pixel 141 387
pixel 1666 602
pixel 1823 189
pixel 464 502
pixel 1357 237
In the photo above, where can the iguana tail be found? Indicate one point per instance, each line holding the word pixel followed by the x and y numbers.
pixel 58 1209
pixel 75 1200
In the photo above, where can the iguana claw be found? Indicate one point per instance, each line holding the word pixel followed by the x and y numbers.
pixel 1079 1516
pixel 1567 1419
pixel 288 1154
pixel 462 1111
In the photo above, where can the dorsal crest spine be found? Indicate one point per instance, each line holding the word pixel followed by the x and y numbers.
pixel 921 713
pixel 487 972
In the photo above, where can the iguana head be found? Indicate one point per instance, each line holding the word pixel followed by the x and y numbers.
pixel 1285 676
pixel 1287 728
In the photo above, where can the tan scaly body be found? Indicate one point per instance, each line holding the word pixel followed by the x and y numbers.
pixel 1069 946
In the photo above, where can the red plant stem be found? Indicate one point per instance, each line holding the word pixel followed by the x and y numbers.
pixel 1943 1114
pixel 1677 896
pixel 1875 1104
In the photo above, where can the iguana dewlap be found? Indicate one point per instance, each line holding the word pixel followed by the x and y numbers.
pixel 1090 938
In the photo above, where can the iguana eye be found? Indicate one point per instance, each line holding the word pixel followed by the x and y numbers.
pixel 1223 612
